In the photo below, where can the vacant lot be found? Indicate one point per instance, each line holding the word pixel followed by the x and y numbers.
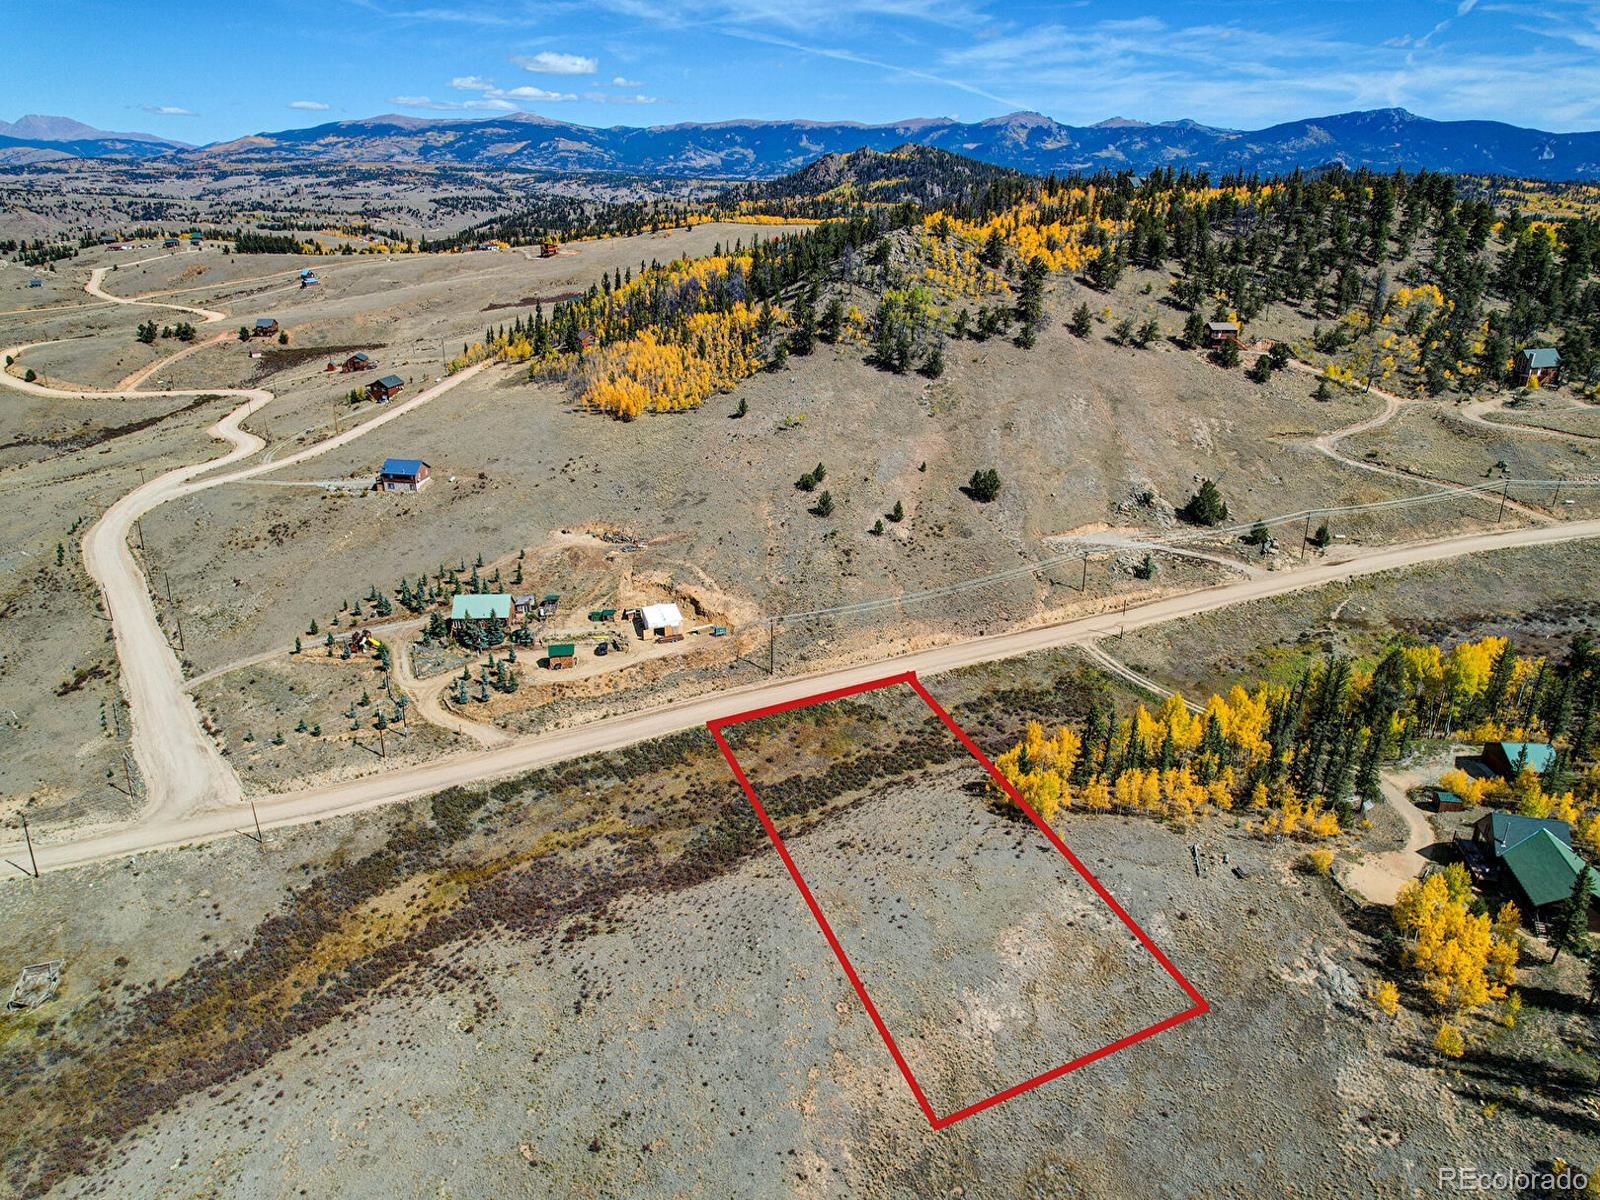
pixel 601 981
pixel 989 957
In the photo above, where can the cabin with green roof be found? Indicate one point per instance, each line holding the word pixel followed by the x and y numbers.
pixel 1540 365
pixel 473 607
pixel 561 655
pixel 1506 759
pixel 1544 870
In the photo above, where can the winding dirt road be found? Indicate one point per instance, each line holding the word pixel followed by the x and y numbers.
pixel 611 733
pixel 180 765
pixel 193 795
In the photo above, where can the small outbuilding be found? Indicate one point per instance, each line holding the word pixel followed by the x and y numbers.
pixel 663 620
pixel 359 361
pixel 264 327
pixel 1445 800
pixel 35 283
pixel 1541 365
pixel 403 475
pixel 561 656
pixel 385 389
pixel 1506 759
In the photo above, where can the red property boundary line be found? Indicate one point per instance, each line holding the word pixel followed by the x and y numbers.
pixel 934 1119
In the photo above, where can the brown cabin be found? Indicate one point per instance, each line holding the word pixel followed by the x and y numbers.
pixel 264 327
pixel 1219 332
pixel 385 389
pixel 548 249
pixel 1541 365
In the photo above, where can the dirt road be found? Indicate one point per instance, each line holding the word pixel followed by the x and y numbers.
pixel 1477 413
pixel 209 316
pixel 612 733
pixel 179 763
pixel 1380 877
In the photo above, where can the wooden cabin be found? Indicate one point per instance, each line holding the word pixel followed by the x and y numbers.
pixel 1540 366
pixel 385 389
pixel 403 475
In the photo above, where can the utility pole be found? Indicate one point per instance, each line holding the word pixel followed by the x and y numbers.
pixel 167 576
pixel 1505 486
pixel 1123 628
pixel 1084 586
pixel 1305 537
pixel 33 862
pixel 255 837
pixel 127 773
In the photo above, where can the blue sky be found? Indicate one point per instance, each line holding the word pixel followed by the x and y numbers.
pixel 210 70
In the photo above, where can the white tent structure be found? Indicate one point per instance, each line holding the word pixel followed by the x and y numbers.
pixel 662 619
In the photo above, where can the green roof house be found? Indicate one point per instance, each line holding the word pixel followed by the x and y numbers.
pixel 1507 758
pixel 480 606
pixel 1541 364
pixel 1545 869
pixel 1498 831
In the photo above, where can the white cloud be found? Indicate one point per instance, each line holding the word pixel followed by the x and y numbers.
pixel 489 105
pixel 309 105
pixel 619 98
pixel 534 93
pixel 619 81
pixel 168 110
pixel 491 91
pixel 549 62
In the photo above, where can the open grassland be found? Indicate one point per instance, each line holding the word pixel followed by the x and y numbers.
pixel 600 980
pixel 63 726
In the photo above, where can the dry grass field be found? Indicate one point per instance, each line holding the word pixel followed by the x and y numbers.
pixel 1105 444
pixel 597 979
pixel 601 981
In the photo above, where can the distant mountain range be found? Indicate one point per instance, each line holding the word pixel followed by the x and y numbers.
pixel 1385 139
pixel 44 139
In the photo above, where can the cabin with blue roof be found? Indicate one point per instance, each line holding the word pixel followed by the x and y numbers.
pixel 403 475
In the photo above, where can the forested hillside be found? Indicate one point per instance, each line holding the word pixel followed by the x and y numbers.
pixel 1409 280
